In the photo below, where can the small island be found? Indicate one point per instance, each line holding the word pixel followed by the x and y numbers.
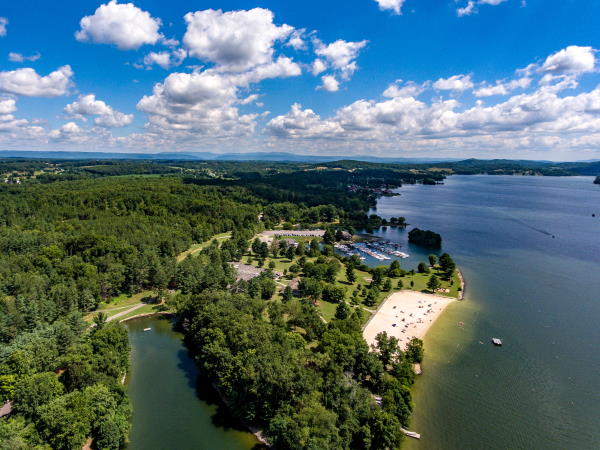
pixel 425 238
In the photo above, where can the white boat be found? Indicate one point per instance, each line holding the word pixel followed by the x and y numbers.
pixel 497 342
pixel 411 434
pixel 147 329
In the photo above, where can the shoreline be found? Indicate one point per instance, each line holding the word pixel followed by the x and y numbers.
pixel 150 314
pixel 258 434
pixel 463 285
pixel 405 315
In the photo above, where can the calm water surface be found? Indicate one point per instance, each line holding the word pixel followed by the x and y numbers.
pixel 164 387
pixel 540 293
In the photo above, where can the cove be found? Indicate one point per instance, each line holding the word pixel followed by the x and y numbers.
pixel 172 407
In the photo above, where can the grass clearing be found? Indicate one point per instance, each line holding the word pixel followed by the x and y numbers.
pixel 119 304
pixel 146 309
pixel 327 309
pixel 199 247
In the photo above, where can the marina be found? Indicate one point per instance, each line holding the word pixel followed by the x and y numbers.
pixel 380 250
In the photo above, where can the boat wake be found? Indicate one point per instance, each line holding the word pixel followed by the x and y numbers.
pixel 531 227
pixel 524 223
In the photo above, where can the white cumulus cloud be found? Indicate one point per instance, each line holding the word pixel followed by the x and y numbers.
pixel 206 102
pixel 330 84
pixel 12 128
pixel 502 88
pixel 121 24
pixel 7 105
pixel 27 82
pixel 295 41
pixel 409 89
pixel 457 83
pixel 69 132
pixel 200 102
pixel 394 5
pixel 539 119
pixel 165 59
pixel 341 55
pixel 234 40
pixel 306 124
pixel 318 66
pixel 88 105
pixel 569 61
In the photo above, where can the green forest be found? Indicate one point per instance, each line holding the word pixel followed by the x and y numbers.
pixel 77 234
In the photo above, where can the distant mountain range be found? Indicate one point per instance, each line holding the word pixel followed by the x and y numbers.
pixel 272 156
pixel 207 156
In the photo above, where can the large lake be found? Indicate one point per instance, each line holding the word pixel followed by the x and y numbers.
pixel 530 250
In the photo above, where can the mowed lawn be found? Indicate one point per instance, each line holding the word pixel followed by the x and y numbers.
pixel 119 304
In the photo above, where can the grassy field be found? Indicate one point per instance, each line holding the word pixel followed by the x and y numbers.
pixel 146 309
pixel 119 304
pixel 327 309
pixel 199 247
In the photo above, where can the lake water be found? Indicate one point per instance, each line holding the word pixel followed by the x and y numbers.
pixel 530 252
pixel 163 387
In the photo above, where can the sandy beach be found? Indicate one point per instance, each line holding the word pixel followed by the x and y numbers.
pixel 405 314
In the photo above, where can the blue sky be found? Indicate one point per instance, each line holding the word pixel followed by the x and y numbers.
pixel 444 78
